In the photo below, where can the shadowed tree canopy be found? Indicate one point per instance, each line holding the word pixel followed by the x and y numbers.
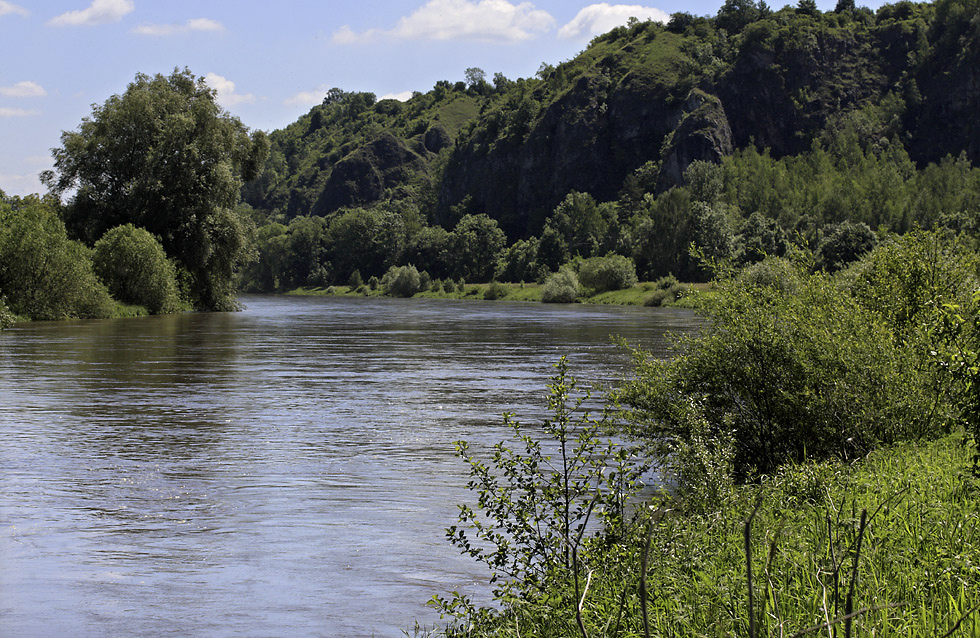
pixel 165 157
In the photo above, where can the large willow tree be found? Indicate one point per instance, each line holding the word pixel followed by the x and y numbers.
pixel 165 157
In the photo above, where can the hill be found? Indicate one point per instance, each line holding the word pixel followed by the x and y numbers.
pixel 630 114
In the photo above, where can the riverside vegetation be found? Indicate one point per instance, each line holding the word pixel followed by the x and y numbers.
pixel 817 444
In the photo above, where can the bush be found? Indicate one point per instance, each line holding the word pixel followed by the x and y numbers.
pixel 136 270
pixel 7 318
pixel 495 290
pixel 666 282
pixel 373 283
pixel 43 274
pixel 401 281
pixel 356 281
pixel 540 498
pixel 561 287
pixel 602 274
pixel 811 374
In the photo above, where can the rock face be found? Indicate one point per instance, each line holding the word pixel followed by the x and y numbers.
pixel 363 176
pixel 703 134
pixel 587 141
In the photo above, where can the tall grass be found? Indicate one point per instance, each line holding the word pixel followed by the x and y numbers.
pixel 886 546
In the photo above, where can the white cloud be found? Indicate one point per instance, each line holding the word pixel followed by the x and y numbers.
pixel 6 112
pixel 20 184
pixel 226 91
pixel 196 24
pixel 404 96
pixel 599 18
pixel 7 8
pixel 486 20
pixel 308 98
pixel 99 12
pixel 23 89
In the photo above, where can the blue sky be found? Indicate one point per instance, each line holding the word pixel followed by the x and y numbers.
pixel 271 61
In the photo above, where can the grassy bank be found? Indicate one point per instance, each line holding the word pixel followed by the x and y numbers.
pixel 643 294
pixel 888 545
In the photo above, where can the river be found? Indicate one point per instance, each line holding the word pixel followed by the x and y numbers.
pixel 287 470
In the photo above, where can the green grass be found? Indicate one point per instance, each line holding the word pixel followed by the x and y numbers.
pixel 914 562
pixel 531 292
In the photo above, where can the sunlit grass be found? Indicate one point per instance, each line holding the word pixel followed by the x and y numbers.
pixel 912 568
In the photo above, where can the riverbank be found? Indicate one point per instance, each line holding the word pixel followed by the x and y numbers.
pixel 888 545
pixel 643 294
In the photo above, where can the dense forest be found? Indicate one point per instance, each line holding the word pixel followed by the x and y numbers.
pixel 745 134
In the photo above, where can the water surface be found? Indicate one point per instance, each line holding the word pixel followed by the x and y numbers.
pixel 283 471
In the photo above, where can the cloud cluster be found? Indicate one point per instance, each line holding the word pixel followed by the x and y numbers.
pixel 599 18
pixel 197 24
pixel 23 89
pixel 225 88
pixel 99 12
pixel 8 8
pixel 308 98
pixel 485 20
pixel 8 112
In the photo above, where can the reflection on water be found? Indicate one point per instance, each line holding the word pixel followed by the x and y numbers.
pixel 287 470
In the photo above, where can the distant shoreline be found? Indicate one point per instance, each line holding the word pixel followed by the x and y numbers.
pixel 640 295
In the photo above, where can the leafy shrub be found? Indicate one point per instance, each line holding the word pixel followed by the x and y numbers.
pixel 538 501
pixel 495 290
pixel 135 268
pixel 560 287
pixel 449 286
pixel 43 274
pixel 847 242
pixel 436 285
pixel 666 282
pixel 356 281
pixel 772 272
pixel 7 318
pixel 401 281
pixel 792 376
pixel 425 281
pixel 602 274
pixel 665 290
pixel 373 283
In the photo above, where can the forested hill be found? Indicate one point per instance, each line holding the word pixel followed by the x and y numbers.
pixel 697 88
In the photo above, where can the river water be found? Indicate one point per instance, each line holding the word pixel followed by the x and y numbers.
pixel 287 470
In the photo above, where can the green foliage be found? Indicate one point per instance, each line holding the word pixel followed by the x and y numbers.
pixel 164 157
pixel 44 274
pixel 844 244
pixel 494 291
pixel 519 261
pixel 538 502
pixel 475 243
pixel 369 240
pixel 7 318
pixel 612 272
pixel 401 281
pixel 560 287
pixel 666 289
pixel 796 371
pixel 582 224
pixel 356 281
pixel 133 265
